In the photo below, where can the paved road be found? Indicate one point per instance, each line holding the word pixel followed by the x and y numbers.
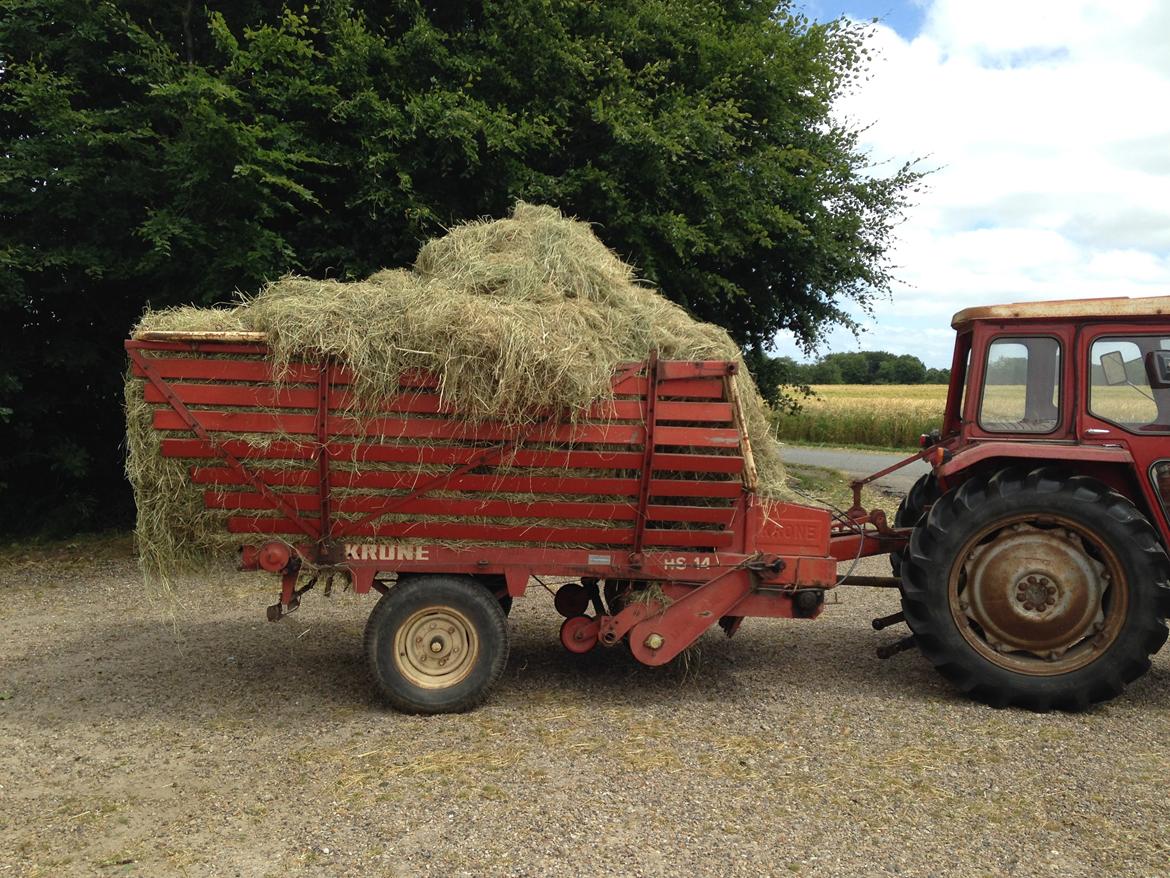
pixel 858 464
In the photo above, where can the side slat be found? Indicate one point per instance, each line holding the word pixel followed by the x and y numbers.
pixel 306 373
pixel 495 484
pixel 408 481
pixel 371 453
pixel 272 396
pixel 400 428
pixel 509 533
pixel 668 369
pixel 696 437
pixel 232 370
pixel 277 450
pixel 305 477
pixel 489 508
pixel 699 463
pixel 687 488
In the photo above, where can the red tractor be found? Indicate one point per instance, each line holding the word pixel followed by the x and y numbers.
pixel 1037 573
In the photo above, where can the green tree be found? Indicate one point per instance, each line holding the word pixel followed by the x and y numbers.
pixel 160 154
pixel 905 369
pixel 825 372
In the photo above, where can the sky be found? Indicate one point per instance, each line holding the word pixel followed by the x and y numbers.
pixel 1047 126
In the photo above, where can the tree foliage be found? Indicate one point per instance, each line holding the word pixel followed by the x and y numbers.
pixel 860 367
pixel 169 153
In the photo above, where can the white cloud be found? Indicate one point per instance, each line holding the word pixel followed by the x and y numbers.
pixel 1047 122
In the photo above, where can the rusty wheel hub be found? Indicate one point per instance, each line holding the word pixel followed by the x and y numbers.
pixel 436 648
pixel 1035 594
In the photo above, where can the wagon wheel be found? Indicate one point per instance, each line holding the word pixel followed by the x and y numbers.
pixel 914 505
pixel 437 644
pixel 1036 589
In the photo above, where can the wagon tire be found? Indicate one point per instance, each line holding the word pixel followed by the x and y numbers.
pixel 1036 589
pixel 914 505
pixel 437 644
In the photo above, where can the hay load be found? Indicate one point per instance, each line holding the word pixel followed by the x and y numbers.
pixel 516 318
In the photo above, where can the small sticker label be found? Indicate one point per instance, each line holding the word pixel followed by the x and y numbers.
pixel 600 560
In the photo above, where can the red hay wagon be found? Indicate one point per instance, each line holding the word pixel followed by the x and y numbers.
pixel 648 501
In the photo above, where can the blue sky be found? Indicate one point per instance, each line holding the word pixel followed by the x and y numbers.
pixel 1046 124
pixel 903 17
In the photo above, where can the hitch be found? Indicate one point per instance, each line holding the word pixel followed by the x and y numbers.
pixel 761 563
pixel 857 511
pixel 886 621
pixel 290 595
pixel 892 649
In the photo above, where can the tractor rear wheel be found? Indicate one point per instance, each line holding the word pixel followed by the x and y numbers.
pixel 1036 589
pixel 914 505
pixel 437 644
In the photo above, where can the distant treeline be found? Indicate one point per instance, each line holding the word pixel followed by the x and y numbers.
pixel 861 367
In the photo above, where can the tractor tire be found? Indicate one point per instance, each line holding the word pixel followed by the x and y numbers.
pixel 1036 589
pixel 437 644
pixel 914 505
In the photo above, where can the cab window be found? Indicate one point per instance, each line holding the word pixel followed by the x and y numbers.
pixel 1129 382
pixel 1021 386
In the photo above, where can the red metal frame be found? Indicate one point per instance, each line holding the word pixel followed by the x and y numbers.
pixel 615 509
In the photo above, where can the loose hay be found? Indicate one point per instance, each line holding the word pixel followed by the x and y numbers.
pixel 518 318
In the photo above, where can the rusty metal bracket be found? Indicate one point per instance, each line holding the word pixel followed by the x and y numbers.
pixel 659 639
pixel 614 628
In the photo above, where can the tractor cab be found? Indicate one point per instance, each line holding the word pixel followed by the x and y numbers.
pixel 1083 383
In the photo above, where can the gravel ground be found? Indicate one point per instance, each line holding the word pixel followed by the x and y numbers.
pixel 230 746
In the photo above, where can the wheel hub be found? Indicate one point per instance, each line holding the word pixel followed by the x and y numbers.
pixel 1034 590
pixel 436 647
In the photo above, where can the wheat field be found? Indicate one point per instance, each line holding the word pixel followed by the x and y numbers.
pixel 895 415
pixel 879 415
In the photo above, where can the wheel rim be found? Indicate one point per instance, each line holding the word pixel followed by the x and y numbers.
pixel 1039 596
pixel 436 648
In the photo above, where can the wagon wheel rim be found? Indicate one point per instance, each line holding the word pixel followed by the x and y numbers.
pixel 1038 595
pixel 436 648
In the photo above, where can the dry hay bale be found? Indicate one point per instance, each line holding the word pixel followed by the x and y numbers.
pixel 508 359
pixel 520 319
pixel 536 254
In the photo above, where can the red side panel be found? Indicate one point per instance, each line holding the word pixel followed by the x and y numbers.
pixel 285 453
pixel 787 529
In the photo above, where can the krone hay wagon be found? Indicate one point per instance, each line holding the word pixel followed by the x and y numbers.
pixel 648 502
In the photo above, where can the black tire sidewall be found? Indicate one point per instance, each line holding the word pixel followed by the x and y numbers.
pixel 1109 517
pixel 922 493
pixel 470 598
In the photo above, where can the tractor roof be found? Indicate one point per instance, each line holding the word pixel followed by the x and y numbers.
pixel 1094 309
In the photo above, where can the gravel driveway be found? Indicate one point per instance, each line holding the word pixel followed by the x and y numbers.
pixel 230 746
